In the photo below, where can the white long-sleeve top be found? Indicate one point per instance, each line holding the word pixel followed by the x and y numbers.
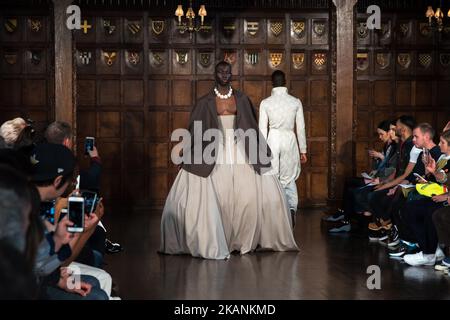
pixel 278 114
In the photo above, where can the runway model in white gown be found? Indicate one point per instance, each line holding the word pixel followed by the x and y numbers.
pixel 228 206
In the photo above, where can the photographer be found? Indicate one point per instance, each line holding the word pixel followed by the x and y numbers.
pixel 53 172
pixel 61 133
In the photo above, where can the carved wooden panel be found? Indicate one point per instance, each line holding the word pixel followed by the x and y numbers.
pixel 139 74
pixel 26 64
pixel 204 87
pixel 109 124
pixel 135 156
pixel 86 92
pixel 319 183
pixel 255 91
pixel 134 124
pixel 159 125
pixel 133 93
pixel 319 94
pixel 406 75
pixel 276 30
pixel 158 91
pixel 109 92
pixel 159 186
pixel 87 123
pixel 364 129
pixel 403 93
pixel 254 30
pixel 382 93
pixel 182 93
pixel 363 92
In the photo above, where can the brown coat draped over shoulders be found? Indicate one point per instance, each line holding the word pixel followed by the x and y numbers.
pixel 205 111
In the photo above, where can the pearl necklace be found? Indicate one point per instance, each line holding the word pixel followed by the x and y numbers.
pixel 224 96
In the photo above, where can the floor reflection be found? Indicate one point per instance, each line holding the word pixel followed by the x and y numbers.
pixel 327 267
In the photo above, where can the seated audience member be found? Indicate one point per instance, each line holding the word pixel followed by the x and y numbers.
pixel 402 200
pixel 418 214
pixel 380 199
pixel 53 172
pixel 384 174
pixel 61 133
pixel 385 164
pixel 11 129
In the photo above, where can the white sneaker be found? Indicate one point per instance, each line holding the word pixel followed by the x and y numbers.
pixel 441 267
pixel 419 259
pixel 439 254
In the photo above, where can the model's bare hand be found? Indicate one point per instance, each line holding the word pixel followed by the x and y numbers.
pixel 303 158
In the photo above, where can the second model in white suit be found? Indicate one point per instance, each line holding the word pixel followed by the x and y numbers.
pixel 278 114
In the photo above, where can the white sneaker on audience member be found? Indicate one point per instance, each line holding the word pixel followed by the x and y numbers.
pixel 419 259
pixel 439 254
pixel 441 267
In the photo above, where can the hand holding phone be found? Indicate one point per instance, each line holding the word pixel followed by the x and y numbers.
pixel 90 201
pixel 426 156
pixel 431 166
pixel 365 175
pixel 100 210
pixel 89 144
pixel 91 221
pixel 376 155
pixel 62 234
pixel 419 177
pixel 75 209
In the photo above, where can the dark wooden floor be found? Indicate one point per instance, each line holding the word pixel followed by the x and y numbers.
pixel 327 267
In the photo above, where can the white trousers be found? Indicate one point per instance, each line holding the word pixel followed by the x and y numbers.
pixel 101 275
pixel 290 191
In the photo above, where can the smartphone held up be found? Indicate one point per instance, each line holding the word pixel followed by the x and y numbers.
pixel 90 201
pixel 89 144
pixel 75 209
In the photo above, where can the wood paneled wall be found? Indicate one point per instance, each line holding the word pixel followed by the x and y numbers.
pixel 404 68
pixel 134 102
pixel 133 107
pixel 26 66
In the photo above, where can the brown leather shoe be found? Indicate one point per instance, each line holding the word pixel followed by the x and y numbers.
pixel 380 224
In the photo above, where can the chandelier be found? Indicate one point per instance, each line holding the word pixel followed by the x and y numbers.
pixel 190 16
pixel 435 18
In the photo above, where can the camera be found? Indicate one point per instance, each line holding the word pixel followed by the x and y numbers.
pixel 75 209
pixel 89 144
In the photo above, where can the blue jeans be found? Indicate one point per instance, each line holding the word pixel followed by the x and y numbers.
pixel 98 259
pixel 54 293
